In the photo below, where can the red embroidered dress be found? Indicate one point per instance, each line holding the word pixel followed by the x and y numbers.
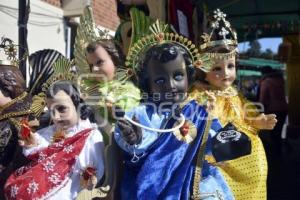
pixel 55 170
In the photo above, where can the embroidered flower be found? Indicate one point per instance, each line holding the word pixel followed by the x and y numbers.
pixel 14 191
pixel 48 166
pixel 33 187
pixel 54 178
pixel 68 149
pixel 42 157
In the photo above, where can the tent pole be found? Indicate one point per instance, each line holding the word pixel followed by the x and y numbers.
pixel 24 9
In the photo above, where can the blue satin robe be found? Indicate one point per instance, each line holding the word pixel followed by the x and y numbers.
pixel 165 169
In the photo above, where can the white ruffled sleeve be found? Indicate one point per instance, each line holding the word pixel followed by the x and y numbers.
pixel 92 154
pixel 42 142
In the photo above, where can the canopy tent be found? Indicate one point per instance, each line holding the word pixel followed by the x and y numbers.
pixel 242 72
pixel 252 67
pixel 258 63
pixel 256 19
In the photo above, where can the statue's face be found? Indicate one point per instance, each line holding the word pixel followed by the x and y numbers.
pixel 168 81
pixel 222 73
pixel 101 63
pixel 63 111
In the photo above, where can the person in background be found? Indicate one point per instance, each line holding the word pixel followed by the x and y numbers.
pixel 272 96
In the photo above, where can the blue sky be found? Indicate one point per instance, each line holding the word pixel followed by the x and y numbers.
pixel 271 43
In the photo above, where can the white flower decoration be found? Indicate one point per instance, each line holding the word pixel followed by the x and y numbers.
pixel 68 149
pixel 48 166
pixel 14 191
pixel 33 187
pixel 42 156
pixel 54 178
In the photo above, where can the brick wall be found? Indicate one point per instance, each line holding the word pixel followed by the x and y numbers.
pixel 56 3
pixel 105 13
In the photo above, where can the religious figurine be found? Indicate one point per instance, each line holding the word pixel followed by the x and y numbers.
pixel 105 84
pixel 238 151
pixel 67 156
pixel 166 139
pixel 15 105
pixel 101 69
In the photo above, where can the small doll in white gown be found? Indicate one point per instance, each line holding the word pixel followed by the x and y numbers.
pixel 66 156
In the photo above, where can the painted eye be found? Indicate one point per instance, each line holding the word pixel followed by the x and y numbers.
pixel 160 81
pixel 178 77
pixel 217 69
pixel 99 62
pixel 62 109
pixel 231 66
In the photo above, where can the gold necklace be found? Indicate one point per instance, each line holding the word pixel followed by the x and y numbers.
pixel 21 96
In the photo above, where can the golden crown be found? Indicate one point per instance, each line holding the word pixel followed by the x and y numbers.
pixel 10 51
pixel 158 35
pixel 220 26
pixel 62 70
pixel 223 28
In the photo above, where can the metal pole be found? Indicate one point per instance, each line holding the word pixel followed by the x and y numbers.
pixel 24 9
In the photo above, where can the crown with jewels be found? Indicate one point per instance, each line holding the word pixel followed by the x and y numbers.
pixel 219 33
pixel 223 29
pixel 10 51
pixel 159 35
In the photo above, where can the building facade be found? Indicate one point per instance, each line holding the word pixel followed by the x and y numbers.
pixel 52 23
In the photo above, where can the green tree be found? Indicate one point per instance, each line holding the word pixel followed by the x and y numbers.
pixel 268 54
pixel 255 49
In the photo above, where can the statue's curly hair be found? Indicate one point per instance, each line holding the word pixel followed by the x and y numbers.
pixel 12 83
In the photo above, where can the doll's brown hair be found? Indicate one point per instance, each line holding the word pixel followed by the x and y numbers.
pixel 12 83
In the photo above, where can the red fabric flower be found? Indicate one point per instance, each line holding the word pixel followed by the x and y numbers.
pixel 88 173
pixel 25 129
